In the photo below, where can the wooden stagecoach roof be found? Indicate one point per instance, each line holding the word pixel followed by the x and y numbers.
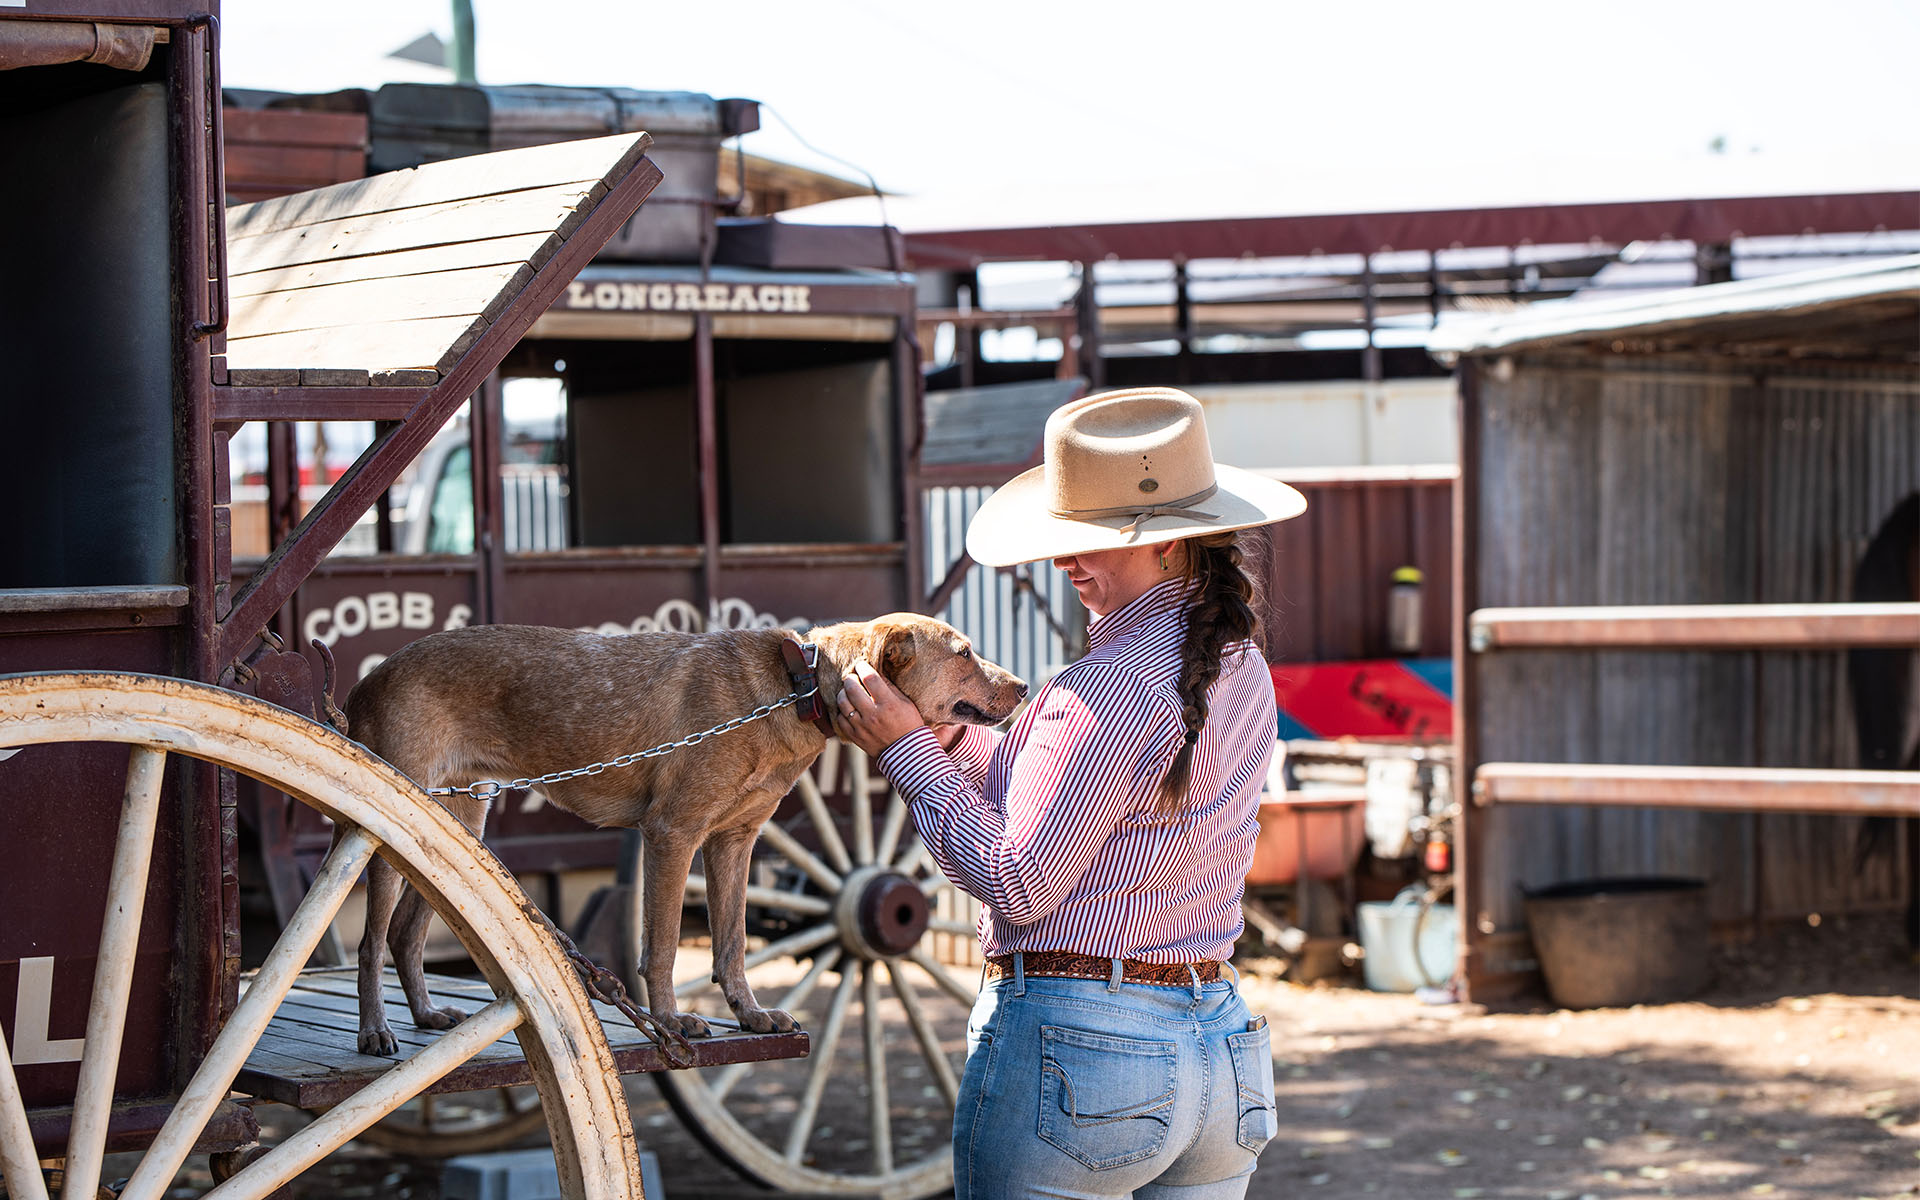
pixel 389 280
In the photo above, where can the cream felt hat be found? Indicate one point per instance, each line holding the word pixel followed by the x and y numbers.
pixel 1127 468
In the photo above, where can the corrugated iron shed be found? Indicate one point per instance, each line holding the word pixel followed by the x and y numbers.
pixel 1736 444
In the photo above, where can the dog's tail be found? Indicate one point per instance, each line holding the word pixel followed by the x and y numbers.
pixel 335 717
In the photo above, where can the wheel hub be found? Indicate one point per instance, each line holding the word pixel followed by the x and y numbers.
pixel 881 913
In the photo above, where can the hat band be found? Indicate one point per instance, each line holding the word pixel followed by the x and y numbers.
pixel 1143 513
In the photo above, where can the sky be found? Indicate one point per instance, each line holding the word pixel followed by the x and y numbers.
pixel 1182 107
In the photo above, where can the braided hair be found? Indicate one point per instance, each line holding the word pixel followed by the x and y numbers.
pixel 1222 613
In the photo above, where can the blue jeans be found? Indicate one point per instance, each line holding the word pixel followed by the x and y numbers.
pixel 1081 1088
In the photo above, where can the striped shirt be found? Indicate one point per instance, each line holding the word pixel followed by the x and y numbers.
pixel 1055 829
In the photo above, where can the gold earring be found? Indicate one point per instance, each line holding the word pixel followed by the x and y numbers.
pixel 1163 560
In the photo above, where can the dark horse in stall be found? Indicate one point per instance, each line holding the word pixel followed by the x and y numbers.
pixel 1883 689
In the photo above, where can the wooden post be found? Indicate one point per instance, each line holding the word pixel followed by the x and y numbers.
pixel 707 425
pixel 1468 838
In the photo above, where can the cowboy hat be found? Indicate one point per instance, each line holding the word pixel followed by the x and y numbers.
pixel 1118 469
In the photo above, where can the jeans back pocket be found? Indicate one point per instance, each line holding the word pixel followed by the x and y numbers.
pixel 1104 1100
pixel 1252 1053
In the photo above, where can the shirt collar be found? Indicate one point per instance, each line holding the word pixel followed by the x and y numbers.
pixel 1171 596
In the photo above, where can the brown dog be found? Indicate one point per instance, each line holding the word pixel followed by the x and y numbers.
pixel 520 701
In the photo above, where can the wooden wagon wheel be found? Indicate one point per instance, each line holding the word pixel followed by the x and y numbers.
pixel 447 1126
pixel 538 998
pixel 865 913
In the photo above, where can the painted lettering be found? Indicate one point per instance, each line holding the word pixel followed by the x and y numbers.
pixel 416 610
pixel 690 297
pixel 352 616
pixel 32 1009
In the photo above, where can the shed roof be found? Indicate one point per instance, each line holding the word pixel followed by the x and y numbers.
pixel 1859 310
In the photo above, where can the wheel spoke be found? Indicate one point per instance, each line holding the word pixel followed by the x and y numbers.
pixel 385 1094
pixel 924 1033
pixel 820 1066
pixel 943 977
pixel 801 857
pixel 428 1113
pixel 956 928
pixel 795 998
pixel 890 832
pixel 860 798
pixel 879 1124
pixel 228 1054
pixel 113 972
pixel 19 1162
pixel 794 945
pixel 823 822
pixel 767 897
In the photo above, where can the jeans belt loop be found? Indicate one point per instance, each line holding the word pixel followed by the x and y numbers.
pixel 1118 975
pixel 1019 973
pixel 1198 992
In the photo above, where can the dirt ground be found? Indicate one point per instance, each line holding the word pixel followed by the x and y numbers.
pixel 1796 1075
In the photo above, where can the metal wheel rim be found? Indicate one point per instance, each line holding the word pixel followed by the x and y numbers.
pixel 536 989
pixel 696 1096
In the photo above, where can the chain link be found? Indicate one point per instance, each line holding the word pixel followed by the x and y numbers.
pixel 487 789
pixel 603 985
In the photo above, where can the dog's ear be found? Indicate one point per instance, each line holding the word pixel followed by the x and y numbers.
pixel 891 649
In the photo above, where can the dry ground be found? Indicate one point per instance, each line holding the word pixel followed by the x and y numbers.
pixel 1796 1075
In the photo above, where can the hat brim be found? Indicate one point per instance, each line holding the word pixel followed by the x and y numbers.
pixel 1015 525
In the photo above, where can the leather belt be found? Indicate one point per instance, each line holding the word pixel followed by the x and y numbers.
pixel 1064 964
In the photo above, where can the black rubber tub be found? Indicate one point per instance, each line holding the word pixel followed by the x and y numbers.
pixel 1607 943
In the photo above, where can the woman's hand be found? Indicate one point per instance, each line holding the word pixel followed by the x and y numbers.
pixel 872 713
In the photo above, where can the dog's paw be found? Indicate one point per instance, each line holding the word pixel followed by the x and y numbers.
pixel 687 1024
pixel 767 1020
pixel 441 1018
pixel 379 1042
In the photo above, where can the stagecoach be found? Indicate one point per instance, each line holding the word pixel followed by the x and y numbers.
pixel 168 757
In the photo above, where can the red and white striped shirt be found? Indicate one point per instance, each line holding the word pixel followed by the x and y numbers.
pixel 1056 828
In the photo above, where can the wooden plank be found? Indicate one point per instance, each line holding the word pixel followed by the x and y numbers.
pixel 1698 626
pixel 482 291
pixel 237 405
pixel 407 378
pixel 584 162
pixel 264 377
pixel 482 252
pixel 1726 789
pixel 552 210
pixel 309 1054
pixel 434 344
pixel 335 377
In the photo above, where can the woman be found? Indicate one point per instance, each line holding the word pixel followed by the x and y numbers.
pixel 1109 833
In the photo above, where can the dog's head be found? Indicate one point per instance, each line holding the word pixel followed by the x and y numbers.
pixel 935 666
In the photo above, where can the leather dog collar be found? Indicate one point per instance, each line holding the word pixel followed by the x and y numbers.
pixel 802 660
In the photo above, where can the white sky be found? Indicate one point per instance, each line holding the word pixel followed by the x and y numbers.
pixel 1185 100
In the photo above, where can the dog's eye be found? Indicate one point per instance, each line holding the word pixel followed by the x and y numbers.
pixel 965 652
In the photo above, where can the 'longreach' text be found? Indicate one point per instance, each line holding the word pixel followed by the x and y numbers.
pixel 608 296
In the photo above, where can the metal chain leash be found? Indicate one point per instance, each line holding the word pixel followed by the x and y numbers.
pixel 487 789
pixel 603 985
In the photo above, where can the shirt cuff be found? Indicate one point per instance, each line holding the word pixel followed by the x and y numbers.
pixel 914 762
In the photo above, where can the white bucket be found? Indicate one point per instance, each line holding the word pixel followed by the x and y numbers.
pixel 1404 951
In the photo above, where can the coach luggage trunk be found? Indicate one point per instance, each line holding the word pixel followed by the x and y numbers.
pixel 413 123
